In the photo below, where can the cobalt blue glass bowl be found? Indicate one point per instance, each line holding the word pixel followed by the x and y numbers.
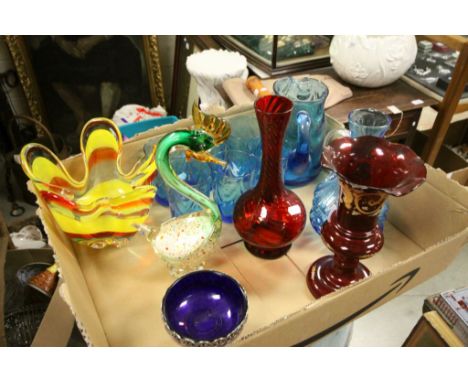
pixel 205 308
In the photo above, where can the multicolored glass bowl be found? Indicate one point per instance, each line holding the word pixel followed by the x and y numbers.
pixel 205 308
pixel 107 204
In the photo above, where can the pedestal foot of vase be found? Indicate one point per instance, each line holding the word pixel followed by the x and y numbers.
pixel 267 253
pixel 325 277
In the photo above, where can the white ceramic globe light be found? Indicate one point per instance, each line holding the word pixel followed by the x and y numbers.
pixel 372 61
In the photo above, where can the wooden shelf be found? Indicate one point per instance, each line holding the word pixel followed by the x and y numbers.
pixel 450 104
pixel 398 94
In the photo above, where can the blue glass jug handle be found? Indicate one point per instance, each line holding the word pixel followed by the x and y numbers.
pixel 303 122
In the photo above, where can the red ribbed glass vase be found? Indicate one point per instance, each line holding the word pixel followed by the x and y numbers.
pixel 270 217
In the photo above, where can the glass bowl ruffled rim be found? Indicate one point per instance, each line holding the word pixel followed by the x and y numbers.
pixel 413 180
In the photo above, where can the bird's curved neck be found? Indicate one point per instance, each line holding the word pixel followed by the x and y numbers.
pixel 185 138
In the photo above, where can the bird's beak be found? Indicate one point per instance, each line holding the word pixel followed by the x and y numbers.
pixel 204 157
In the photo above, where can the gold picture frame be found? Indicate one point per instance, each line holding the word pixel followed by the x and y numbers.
pixel 21 59
pixel 20 56
pixel 153 69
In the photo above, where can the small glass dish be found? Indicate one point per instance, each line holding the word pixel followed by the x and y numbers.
pixel 184 243
pixel 205 308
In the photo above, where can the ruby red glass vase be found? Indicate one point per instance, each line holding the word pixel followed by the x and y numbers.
pixel 270 217
pixel 369 169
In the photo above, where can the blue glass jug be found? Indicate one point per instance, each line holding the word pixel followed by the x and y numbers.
pixel 306 128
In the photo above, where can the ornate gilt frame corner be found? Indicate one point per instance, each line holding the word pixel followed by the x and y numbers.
pixel 20 56
pixel 21 59
pixel 153 69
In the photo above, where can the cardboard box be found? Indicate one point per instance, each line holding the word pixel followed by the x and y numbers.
pixel 447 158
pixel 460 176
pixel 116 294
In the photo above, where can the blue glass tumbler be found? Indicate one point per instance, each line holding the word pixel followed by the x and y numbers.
pixel 161 191
pixel 181 166
pixel 306 128
pixel 231 181
pixel 194 173
pixel 245 134
pixel 326 194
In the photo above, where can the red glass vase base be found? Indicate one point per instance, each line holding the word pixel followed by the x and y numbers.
pixel 325 277
pixel 267 253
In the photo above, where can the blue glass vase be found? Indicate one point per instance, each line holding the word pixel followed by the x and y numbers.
pixel 306 128
pixel 361 122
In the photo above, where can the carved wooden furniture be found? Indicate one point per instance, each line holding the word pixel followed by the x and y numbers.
pixel 21 57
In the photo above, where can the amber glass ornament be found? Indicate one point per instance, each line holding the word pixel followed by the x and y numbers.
pixel 369 169
pixel 269 217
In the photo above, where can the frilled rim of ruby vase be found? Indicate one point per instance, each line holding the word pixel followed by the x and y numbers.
pixel 374 163
pixel 273 104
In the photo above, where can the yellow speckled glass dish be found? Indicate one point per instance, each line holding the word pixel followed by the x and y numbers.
pixel 106 205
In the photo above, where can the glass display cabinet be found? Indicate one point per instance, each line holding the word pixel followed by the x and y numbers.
pixel 280 54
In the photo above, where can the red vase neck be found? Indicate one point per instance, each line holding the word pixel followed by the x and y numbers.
pixel 352 229
pixel 358 209
pixel 273 115
pixel 352 233
pixel 272 134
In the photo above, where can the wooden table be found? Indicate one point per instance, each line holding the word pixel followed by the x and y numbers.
pixel 402 102
pixel 399 94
